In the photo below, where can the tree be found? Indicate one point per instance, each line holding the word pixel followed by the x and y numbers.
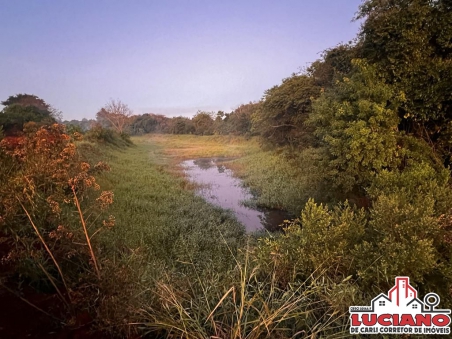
pixel 409 41
pixel 181 125
pixel 203 123
pixel 283 110
pixel 26 100
pixel 115 114
pixel 22 108
pixel 357 130
pixel 84 124
pixel 148 123
pixel 239 121
pixel 335 63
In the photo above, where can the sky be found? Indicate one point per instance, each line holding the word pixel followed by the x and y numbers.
pixel 171 57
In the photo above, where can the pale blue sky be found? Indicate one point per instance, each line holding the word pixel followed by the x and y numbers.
pixel 169 56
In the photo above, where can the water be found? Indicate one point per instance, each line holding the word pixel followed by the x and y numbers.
pixel 218 186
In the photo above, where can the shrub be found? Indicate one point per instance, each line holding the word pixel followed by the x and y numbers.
pixel 318 243
pixel 51 216
pixel 107 136
pixel 409 230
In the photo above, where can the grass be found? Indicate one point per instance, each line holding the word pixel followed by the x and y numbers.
pixel 184 263
pixel 174 266
pixel 162 232
pixel 179 147
pixel 277 180
pixel 155 212
pixel 246 306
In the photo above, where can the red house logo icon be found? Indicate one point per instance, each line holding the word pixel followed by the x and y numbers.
pixel 402 292
pixel 401 312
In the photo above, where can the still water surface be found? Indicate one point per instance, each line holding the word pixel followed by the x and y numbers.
pixel 218 186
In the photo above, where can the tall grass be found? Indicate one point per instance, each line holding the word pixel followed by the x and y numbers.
pixel 170 264
pixel 160 226
pixel 196 277
pixel 156 214
pixel 278 178
pixel 247 305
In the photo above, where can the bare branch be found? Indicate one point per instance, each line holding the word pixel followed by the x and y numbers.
pixel 116 113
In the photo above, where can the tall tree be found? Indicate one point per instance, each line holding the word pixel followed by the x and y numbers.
pixel 203 123
pixel 116 114
pixel 335 63
pixel 410 42
pixel 239 121
pixel 181 125
pixel 357 130
pixel 283 110
pixel 148 123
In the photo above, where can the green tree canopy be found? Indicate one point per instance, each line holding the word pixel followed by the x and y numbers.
pixel 238 122
pixel 357 129
pixel 22 108
pixel 410 42
pixel 148 123
pixel 335 63
pixel 181 125
pixel 203 123
pixel 283 110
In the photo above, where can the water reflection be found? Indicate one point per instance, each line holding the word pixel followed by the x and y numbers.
pixel 203 163
pixel 218 186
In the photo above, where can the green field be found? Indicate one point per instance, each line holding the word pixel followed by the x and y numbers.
pixel 193 270
pixel 278 181
pixel 156 207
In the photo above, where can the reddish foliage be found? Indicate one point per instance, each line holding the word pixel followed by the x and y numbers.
pixel 12 142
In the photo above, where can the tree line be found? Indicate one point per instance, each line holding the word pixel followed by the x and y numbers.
pixel 236 122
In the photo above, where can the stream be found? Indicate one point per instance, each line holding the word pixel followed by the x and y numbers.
pixel 218 186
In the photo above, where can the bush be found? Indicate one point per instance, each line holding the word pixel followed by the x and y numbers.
pixel 319 243
pixel 71 129
pixel 108 136
pixel 409 230
pixel 51 217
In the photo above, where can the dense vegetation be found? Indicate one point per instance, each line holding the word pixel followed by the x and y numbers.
pixel 358 146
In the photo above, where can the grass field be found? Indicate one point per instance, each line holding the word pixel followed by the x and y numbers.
pixel 195 274
pixel 155 210
pixel 277 181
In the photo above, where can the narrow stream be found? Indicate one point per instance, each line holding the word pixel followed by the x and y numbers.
pixel 218 186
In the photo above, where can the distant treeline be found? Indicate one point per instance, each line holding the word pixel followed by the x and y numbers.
pixel 237 122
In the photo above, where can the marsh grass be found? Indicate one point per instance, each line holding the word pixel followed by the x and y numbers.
pixel 182 147
pixel 246 305
pixel 157 214
pixel 278 179
pixel 174 265
pixel 160 225
pixel 195 272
